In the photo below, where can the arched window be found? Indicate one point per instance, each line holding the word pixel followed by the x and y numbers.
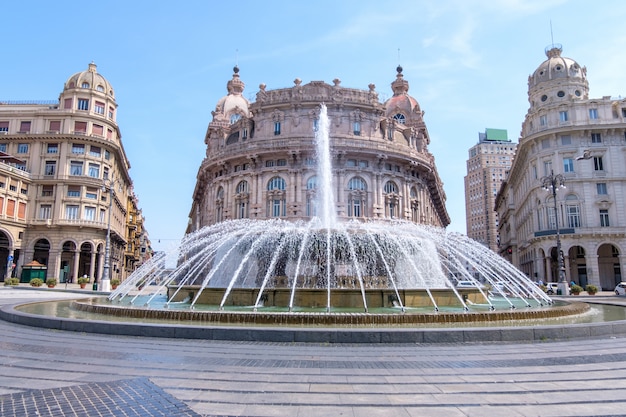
pixel 219 205
pixel 242 200
pixel 415 206
pixel 311 196
pixel 357 197
pixel 392 200
pixel 276 199
pixel 399 118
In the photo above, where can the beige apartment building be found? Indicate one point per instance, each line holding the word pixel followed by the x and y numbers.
pixel 487 166
pixel 64 183
pixel 573 140
pixel 260 157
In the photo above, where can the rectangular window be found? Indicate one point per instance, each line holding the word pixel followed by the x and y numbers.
pixel 50 168
pixel 67 103
pixel 71 212
pixel 47 190
pixel 596 138
pixel 597 163
pixel 24 127
pixel 623 111
pixel 351 163
pixel 593 114
pixel 363 164
pixel 269 164
pixel 601 188
pixel 94 170
pixel 53 148
pixel 244 133
pixel 95 151
pixel 76 168
pixel 573 216
pixel 105 174
pixel 107 155
pixel 545 143
pixel 356 128
pixel 566 140
pixel 604 218
pixel 3 147
pixel 543 120
pixel 97 130
pixel 277 128
pixel 22 148
pixel 80 127
pixel 547 167
pixel 73 191
pixel 563 117
pixel 99 107
pixel 89 213
pixel 55 126
pixel 10 207
pixel 91 194
pixel 4 126
pixel 45 211
pixel 551 218
pixel 281 162
pixel 78 148
pixel 568 165
pixel 83 104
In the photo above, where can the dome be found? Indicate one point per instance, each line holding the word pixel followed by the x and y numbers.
pixel 90 79
pixel 401 104
pixel 233 105
pixel 557 78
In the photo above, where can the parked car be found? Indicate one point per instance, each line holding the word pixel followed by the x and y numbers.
pixel 551 287
pixel 468 284
pixel 621 288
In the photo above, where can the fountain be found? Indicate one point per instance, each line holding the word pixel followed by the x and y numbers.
pixel 329 266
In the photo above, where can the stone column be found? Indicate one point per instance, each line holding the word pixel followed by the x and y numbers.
pixel 76 258
pixel 593 270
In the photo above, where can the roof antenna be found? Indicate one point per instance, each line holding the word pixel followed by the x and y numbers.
pixel 237 56
pixel 398 55
pixel 551 34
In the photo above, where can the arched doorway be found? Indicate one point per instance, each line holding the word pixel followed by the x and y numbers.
pixel 4 255
pixel 41 251
pixel 609 267
pixel 67 262
pixel 578 265
pixel 84 262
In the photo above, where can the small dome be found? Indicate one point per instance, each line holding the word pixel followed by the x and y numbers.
pixel 557 66
pixel 401 103
pixel 233 105
pixel 90 79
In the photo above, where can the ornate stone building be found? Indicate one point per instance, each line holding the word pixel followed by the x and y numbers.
pixel 61 160
pixel 260 159
pixel 580 141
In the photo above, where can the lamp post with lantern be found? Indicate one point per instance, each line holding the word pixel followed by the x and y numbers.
pixel 552 183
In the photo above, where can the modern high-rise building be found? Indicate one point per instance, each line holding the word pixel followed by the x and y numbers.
pixel 65 185
pixel 261 160
pixel 572 147
pixel 487 167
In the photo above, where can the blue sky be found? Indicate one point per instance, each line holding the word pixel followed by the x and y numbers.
pixel 467 63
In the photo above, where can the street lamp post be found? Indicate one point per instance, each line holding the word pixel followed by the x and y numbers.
pixel 106 272
pixel 552 183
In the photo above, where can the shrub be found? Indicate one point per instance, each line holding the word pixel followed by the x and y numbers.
pixel 83 280
pixel 576 289
pixel 12 281
pixel 591 289
pixel 51 282
pixel 36 282
pixel 115 281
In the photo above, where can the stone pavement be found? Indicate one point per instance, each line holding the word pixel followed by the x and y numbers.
pixel 57 373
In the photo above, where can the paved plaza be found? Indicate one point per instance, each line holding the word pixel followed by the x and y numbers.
pixel 57 373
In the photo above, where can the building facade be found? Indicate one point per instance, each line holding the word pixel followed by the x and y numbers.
pixel 487 166
pixel 580 142
pixel 64 182
pixel 260 158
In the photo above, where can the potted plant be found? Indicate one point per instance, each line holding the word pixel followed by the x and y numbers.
pixel 591 289
pixel 83 281
pixel 36 282
pixel 12 281
pixel 51 282
pixel 576 289
pixel 114 283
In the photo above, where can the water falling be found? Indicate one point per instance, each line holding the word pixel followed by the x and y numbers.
pixel 329 264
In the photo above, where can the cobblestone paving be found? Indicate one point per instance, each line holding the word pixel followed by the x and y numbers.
pixel 118 376
pixel 133 398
